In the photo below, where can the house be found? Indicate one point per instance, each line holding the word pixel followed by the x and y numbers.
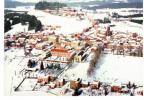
pixel 60 52
pixel 65 55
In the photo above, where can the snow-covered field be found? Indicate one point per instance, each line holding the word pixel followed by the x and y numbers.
pixel 115 69
pixel 120 69
pixel 32 93
pixel 68 25
pixel 19 28
pixel 14 62
pixel 125 26
pixel 121 11
pixel 21 8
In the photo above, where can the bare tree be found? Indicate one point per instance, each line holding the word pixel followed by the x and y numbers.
pixel 93 61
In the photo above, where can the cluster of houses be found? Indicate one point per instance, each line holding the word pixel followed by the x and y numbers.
pixel 130 44
pixel 80 87
pixel 96 88
pixel 67 12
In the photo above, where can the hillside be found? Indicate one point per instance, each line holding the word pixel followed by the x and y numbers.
pixel 49 5
pixel 109 4
pixel 116 5
pixel 13 4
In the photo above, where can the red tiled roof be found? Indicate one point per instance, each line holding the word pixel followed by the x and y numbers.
pixel 59 50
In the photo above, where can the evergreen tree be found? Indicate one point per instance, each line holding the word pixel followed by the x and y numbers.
pixel 7 26
pixel 15 20
pixel 106 20
pixel 38 26
pixel 41 66
pixel 49 5
pixel 23 19
pixel 30 63
pixel 32 23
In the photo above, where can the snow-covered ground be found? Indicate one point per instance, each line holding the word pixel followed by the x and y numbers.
pixel 32 93
pixel 19 28
pixel 100 16
pixel 122 11
pixel 21 8
pixel 125 26
pixel 68 25
pixel 14 62
pixel 138 18
pixel 115 69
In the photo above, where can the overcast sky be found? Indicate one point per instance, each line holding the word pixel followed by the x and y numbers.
pixel 58 0
pixel 74 0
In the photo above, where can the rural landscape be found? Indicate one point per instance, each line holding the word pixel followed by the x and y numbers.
pixel 73 47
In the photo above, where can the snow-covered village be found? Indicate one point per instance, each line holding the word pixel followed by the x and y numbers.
pixel 54 49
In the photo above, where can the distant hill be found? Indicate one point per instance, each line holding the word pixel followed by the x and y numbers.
pixel 109 4
pixel 49 5
pixel 13 4
pixel 116 5
pixel 84 3
pixel 135 0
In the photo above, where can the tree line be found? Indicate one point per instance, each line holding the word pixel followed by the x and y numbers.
pixel 15 18
pixel 49 5
pixel 116 15
pixel 137 21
